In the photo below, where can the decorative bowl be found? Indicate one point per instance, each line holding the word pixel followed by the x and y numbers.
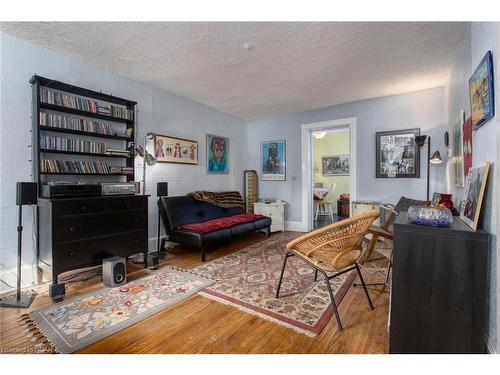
pixel 436 216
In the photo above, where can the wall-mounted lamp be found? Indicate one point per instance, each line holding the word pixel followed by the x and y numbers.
pixel 148 159
pixel 434 159
pixel 319 134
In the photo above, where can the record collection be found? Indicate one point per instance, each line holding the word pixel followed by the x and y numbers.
pixel 71 166
pixel 74 145
pixel 75 123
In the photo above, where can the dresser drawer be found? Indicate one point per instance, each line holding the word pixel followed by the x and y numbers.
pixel 72 254
pixel 73 228
pixel 79 207
pixel 126 203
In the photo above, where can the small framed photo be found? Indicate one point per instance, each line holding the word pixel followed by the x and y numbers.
pixel 481 92
pixel 175 150
pixel 273 160
pixel 335 165
pixel 473 195
pixel 217 154
pixel 397 154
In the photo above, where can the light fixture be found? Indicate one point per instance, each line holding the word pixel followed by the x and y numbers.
pixel 148 159
pixel 435 159
pixel 319 134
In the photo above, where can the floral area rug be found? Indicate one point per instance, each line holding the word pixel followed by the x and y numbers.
pixel 248 280
pixel 76 323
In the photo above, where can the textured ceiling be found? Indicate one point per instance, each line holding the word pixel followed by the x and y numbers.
pixel 292 67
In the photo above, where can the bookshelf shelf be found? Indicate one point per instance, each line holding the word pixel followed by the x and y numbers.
pixel 79 112
pixel 87 134
pixel 48 151
pixel 66 95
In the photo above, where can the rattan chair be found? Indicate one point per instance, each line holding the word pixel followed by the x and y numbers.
pixel 335 248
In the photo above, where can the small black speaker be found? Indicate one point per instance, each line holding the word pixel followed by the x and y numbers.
pixel 114 271
pixel 57 292
pixel 162 189
pixel 26 193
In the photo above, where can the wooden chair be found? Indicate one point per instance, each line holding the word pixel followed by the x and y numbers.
pixel 326 203
pixel 385 231
pixel 335 248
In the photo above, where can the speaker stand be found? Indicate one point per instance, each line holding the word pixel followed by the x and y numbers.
pixel 20 300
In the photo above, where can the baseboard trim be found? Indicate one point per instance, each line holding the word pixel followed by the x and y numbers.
pixel 295 226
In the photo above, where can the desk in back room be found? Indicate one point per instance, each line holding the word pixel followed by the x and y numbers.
pixel 440 288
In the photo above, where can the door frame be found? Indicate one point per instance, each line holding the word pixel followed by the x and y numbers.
pixel 306 134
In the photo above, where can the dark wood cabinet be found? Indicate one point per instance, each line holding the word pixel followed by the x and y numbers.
pixel 80 232
pixel 439 293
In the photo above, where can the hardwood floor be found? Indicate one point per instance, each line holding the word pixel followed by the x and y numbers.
pixel 200 325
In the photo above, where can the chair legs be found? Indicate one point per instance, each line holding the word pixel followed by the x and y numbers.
pixel 364 286
pixel 287 255
pixel 334 305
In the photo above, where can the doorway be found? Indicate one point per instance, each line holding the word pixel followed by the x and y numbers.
pixel 328 171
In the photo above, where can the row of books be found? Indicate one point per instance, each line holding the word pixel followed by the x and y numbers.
pixel 71 166
pixel 75 123
pixel 74 145
pixel 84 104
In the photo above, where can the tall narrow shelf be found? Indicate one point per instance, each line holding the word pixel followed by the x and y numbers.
pixel 77 108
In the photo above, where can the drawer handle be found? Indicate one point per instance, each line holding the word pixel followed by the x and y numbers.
pixel 128 205
pixel 136 221
pixel 83 208
pixel 72 253
pixel 136 240
pixel 72 229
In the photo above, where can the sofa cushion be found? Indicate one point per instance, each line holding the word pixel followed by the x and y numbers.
pixel 222 223
pixel 198 239
pixel 176 211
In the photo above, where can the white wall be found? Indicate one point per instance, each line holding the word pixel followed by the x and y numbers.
pixel 159 112
pixel 422 109
pixel 477 40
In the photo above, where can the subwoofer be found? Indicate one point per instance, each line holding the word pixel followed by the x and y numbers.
pixel 114 271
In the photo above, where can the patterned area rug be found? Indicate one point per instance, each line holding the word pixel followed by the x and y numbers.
pixel 248 280
pixel 76 323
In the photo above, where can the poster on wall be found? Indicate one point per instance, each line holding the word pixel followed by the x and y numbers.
pixel 273 160
pixel 458 150
pixel 335 165
pixel 473 195
pixel 397 154
pixel 217 154
pixel 481 92
pixel 175 150
pixel 467 145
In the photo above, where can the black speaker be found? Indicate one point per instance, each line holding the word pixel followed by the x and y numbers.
pixel 26 193
pixel 162 189
pixel 114 271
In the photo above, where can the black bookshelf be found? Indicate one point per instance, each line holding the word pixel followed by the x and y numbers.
pixel 123 124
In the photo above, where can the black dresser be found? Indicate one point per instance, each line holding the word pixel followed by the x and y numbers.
pixel 439 295
pixel 80 232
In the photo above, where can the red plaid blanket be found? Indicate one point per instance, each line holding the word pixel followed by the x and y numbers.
pixel 221 223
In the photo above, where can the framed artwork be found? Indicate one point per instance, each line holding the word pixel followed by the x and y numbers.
pixel 458 151
pixel 175 150
pixel 397 154
pixel 217 154
pixel 273 160
pixel 467 145
pixel 436 197
pixel 335 165
pixel 473 195
pixel 481 92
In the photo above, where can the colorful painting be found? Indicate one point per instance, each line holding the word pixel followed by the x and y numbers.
pixel 467 146
pixel 217 154
pixel 458 150
pixel 473 195
pixel 397 154
pixel 481 92
pixel 175 150
pixel 335 165
pixel 273 161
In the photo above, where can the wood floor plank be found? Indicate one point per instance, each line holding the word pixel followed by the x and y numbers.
pixel 202 325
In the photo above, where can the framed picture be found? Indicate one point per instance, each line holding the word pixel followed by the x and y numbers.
pixel 481 92
pixel 273 160
pixel 175 150
pixel 436 197
pixel 335 165
pixel 217 154
pixel 397 154
pixel 473 195
pixel 458 151
pixel 467 145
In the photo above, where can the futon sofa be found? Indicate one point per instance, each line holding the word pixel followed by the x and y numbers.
pixel 201 224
